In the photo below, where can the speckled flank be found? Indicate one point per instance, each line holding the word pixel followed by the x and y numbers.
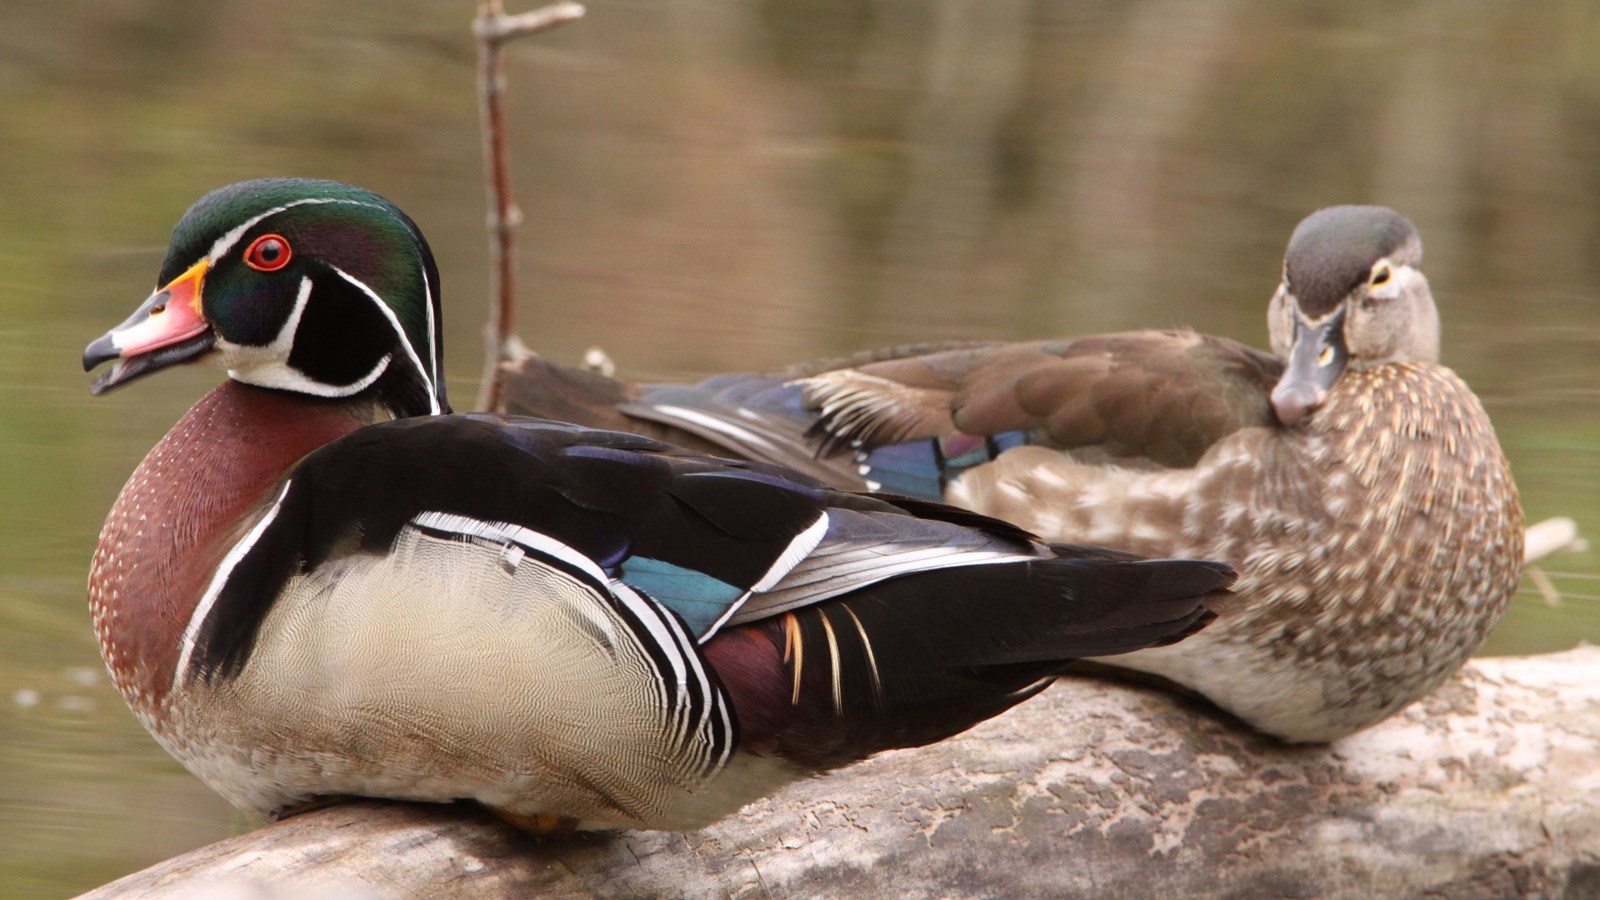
pixel 1377 546
pixel 176 517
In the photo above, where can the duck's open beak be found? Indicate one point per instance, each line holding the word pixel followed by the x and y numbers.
pixel 1316 361
pixel 166 329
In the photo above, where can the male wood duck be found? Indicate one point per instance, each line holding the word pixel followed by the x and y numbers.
pixel 1354 482
pixel 575 628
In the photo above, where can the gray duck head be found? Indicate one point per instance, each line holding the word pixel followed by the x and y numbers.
pixel 1352 297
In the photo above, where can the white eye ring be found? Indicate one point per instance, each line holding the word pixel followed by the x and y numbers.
pixel 1381 274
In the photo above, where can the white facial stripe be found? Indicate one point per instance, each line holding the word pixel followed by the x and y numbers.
pixel 400 333
pixel 226 242
pixel 285 340
pixel 235 554
pixel 277 373
pixel 269 367
pixel 427 288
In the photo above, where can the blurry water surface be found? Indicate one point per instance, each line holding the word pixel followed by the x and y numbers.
pixel 726 185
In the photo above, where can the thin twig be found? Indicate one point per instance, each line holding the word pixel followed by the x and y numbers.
pixel 500 27
pixel 493 28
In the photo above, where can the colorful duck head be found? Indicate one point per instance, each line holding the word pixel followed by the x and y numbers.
pixel 316 287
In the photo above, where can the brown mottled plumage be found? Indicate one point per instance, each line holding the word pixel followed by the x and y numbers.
pixel 1377 546
pixel 1355 483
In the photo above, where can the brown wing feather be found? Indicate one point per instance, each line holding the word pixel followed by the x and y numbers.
pixel 1161 396
pixel 888 399
pixel 1167 396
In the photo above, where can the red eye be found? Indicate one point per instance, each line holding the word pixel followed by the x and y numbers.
pixel 268 253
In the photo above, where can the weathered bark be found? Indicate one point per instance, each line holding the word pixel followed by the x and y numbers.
pixel 1489 788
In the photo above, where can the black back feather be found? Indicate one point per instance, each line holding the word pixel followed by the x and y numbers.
pixel 608 495
pixel 921 657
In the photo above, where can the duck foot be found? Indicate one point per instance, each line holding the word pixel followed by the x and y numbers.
pixel 540 825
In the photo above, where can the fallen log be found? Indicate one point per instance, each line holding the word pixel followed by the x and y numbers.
pixel 1488 788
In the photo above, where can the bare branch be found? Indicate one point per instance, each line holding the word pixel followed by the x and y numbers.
pixel 493 28
pixel 500 27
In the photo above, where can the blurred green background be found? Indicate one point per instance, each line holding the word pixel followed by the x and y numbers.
pixel 721 185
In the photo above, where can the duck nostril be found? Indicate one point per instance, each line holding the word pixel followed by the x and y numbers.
pixel 1292 403
pixel 158 310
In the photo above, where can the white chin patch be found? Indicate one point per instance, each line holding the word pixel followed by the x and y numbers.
pixel 261 367
pixel 267 366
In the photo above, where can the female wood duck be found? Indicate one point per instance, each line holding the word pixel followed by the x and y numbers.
pixel 575 628
pixel 1355 482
